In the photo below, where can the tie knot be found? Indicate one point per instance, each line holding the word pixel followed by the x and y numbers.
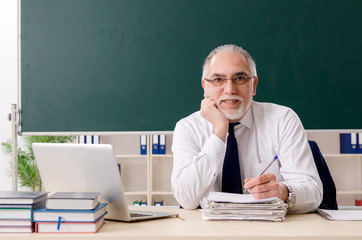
pixel 232 125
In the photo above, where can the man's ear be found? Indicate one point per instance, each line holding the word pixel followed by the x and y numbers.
pixel 204 86
pixel 255 84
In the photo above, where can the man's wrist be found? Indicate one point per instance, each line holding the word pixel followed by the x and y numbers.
pixel 291 199
pixel 221 132
pixel 283 192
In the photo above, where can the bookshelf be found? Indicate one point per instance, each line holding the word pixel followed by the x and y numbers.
pixel 346 169
pixel 145 178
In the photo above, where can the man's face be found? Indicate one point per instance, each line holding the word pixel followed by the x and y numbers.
pixel 233 100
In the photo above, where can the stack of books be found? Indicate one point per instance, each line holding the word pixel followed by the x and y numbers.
pixel 70 212
pixel 242 207
pixel 16 210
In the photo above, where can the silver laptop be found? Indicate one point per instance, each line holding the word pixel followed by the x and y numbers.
pixel 67 167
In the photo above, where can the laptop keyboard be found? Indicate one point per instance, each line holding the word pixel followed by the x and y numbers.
pixel 133 215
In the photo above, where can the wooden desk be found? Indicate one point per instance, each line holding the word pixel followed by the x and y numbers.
pixel 303 226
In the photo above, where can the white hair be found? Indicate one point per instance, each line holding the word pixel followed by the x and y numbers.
pixel 232 49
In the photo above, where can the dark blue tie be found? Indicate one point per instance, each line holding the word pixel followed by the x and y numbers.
pixel 231 179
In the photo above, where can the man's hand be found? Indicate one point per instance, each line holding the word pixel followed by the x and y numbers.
pixel 211 113
pixel 266 186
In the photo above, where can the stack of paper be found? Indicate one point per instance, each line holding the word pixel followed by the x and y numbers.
pixel 353 214
pixel 242 207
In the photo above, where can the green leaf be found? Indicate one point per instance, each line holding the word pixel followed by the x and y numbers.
pixel 28 173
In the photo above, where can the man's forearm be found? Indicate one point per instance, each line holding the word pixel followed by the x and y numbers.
pixel 194 176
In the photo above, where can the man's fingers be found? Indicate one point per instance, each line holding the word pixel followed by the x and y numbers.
pixel 250 183
pixel 262 186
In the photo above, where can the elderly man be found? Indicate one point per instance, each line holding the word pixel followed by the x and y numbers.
pixel 226 145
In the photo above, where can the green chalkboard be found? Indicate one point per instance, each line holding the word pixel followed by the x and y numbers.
pixel 135 65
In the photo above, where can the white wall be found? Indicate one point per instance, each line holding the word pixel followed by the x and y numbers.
pixel 8 80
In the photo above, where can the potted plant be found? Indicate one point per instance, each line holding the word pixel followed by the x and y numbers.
pixel 28 173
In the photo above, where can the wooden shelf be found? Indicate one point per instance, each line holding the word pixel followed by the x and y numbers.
pixel 157 166
pixel 131 156
pixel 145 164
pixel 128 193
pixel 161 155
pixel 349 192
pixel 161 193
pixel 341 155
pixel 339 163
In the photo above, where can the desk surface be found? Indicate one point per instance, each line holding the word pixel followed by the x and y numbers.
pixel 302 226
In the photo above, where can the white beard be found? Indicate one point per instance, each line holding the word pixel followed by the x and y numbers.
pixel 232 114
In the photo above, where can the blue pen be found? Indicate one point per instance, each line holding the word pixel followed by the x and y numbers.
pixel 266 168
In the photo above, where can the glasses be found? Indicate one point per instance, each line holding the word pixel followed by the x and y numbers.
pixel 238 80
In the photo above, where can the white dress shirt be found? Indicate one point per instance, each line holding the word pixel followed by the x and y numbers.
pixel 265 131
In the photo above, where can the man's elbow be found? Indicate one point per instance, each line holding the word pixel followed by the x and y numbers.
pixel 186 201
pixel 189 206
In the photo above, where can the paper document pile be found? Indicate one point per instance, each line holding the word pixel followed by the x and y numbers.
pixel 242 207
pixel 353 214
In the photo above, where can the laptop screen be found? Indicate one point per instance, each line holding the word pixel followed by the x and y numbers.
pixel 67 167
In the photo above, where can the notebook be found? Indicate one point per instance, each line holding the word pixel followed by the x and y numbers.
pixel 68 167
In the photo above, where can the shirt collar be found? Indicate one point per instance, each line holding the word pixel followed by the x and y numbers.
pixel 248 119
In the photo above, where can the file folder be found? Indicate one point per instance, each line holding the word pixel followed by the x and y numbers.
pixel 162 145
pixel 155 144
pixel 158 203
pixel 143 144
pixel 89 139
pixel 348 142
pixel 96 139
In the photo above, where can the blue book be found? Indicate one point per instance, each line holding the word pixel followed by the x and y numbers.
pixel 359 142
pixel 143 144
pixel 56 215
pixel 162 144
pixel 155 144
pixel 348 142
